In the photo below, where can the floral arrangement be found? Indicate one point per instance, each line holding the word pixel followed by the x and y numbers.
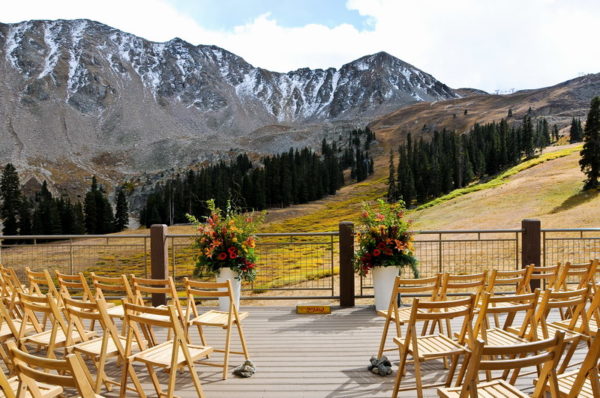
pixel 384 239
pixel 226 240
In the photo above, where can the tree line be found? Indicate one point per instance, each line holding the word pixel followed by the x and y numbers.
pixel 428 169
pixel 43 214
pixel 293 177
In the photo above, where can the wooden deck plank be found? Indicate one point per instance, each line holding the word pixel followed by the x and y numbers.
pixel 303 356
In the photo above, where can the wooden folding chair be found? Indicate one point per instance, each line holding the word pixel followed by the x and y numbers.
pixel 143 288
pixel 220 319
pixel 52 338
pixel 546 275
pixel 400 315
pixel 99 349
pixel 171 354
pixel 583 382
pixel 10 328
pixel 10 285
pixel 573 301
pixel 577 275
pixel 592 315
pixel 36 383
pixel 69 283
pixel 114 285
pixel 545 353
pixel 434 346
pixel 40 283
pixel 508 306
pixel 460 285
pixel 513 281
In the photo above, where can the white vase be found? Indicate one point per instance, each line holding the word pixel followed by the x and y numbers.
pixel 236 286
pixel 383 284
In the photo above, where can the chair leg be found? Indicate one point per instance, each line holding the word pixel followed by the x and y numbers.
pixel 400 373
pixel 154 379
pixel 452 370
pixel 196 380
pixel 569 355
pixel 226 353
pixel 383 338
pixel 242 340
pixel 417 364
pixel 463 370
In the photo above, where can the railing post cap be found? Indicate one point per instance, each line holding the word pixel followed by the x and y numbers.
pixel 346 223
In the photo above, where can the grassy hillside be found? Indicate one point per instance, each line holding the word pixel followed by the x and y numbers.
pixel 547 187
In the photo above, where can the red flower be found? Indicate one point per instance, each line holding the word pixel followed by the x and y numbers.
pixel 376 252
pixel 222 256
pixel 381 245
pixel 232 254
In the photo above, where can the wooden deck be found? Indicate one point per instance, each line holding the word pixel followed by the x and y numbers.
pixel 303 356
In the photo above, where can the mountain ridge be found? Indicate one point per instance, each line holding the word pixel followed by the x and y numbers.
pixel 115 104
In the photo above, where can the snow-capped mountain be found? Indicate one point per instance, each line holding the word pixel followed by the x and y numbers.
pixel 91 94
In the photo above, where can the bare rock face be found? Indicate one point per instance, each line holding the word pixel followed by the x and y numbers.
pixel 83 91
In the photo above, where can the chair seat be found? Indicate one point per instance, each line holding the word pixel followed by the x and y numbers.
pixel 494 388
pixel 552 328
pixel 593 324
pixel 47 390
pixel 434 345
pixel 498 337
pixel 215 318
pixel 565 384
pixel 160 355
pixel 5 331
pixel 116 312
pixel 94 347
pixel 43 338
pixel 403 314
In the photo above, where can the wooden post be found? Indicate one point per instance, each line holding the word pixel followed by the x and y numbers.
pixel 531 243
pixel 346 230
pixel 159 259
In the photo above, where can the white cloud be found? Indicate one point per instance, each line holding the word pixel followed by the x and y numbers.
pixel 465 43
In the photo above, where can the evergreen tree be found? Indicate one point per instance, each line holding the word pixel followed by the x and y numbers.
pixel 590 154
pixel 555 134
pixel 576 132
pixel 10 195
pixel 392 194
pixel 90 210
pixel 122 214
pixel 25 218
pixel 528 144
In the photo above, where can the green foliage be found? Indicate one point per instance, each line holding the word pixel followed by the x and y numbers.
pixel 292 177
pixel 576 131
pixel 122 213
pixel 428 169
pixel 99 218
pixel 590 154
pixel 10 195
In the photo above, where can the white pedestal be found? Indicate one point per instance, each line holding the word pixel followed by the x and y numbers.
pixel 236 285
pixel 383 284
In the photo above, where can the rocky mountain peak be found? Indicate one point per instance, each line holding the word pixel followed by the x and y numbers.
pixel 79 89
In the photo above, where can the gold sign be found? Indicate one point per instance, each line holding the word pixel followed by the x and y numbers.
pixel 313 309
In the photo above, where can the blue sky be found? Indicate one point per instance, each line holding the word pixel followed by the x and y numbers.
pixel 487 44
pixel 227 14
